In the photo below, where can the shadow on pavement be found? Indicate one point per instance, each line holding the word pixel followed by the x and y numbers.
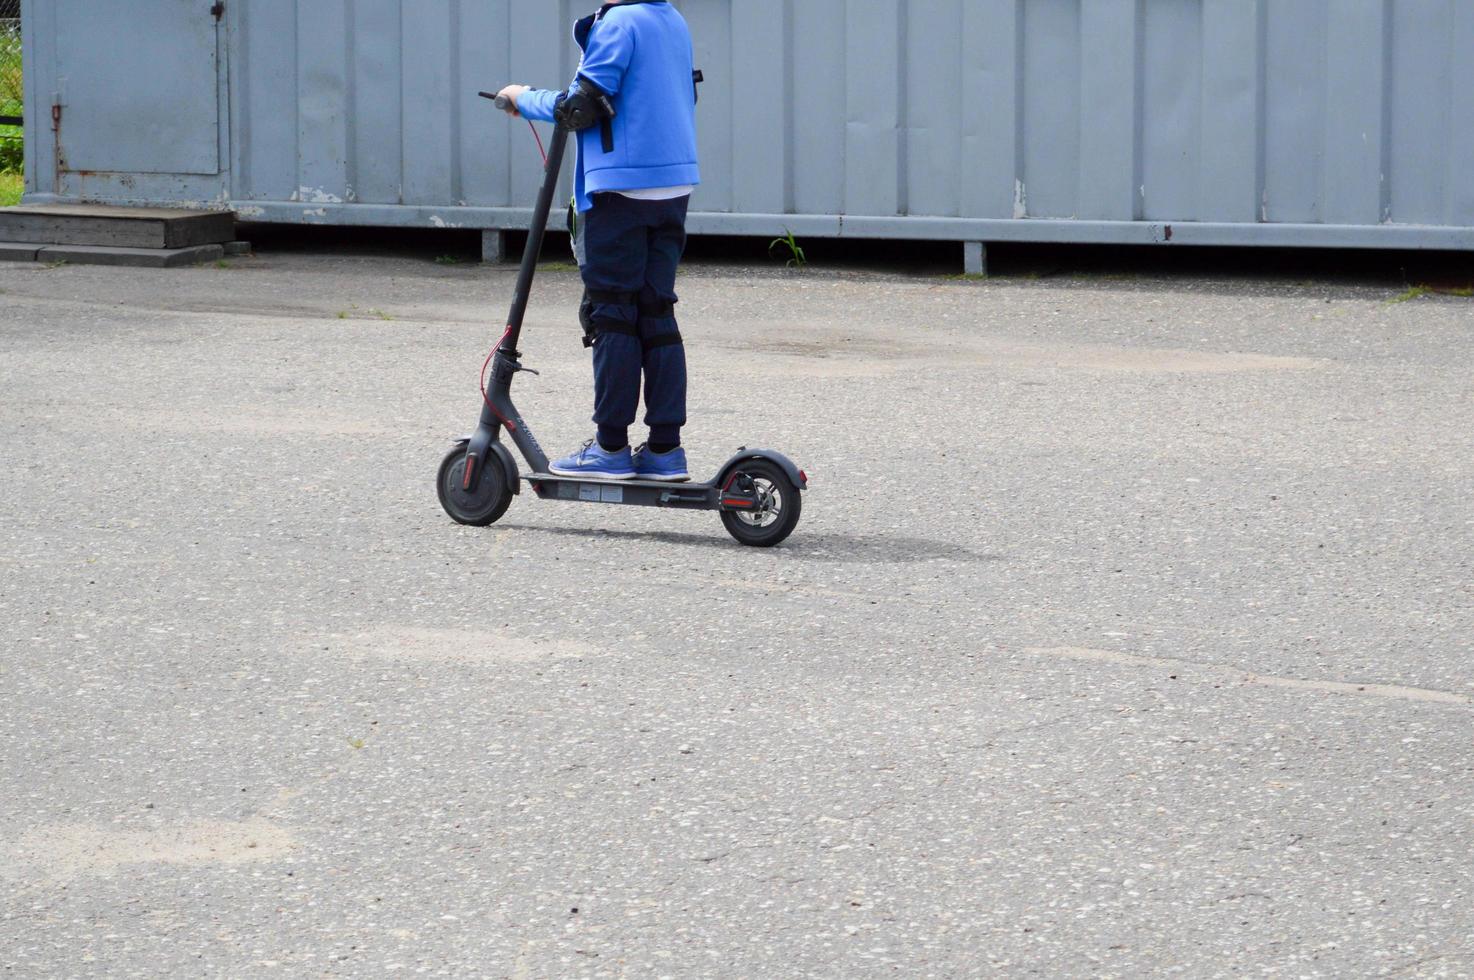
pixel 827 547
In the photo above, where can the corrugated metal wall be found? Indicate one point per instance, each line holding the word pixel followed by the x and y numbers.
pixel 1345 122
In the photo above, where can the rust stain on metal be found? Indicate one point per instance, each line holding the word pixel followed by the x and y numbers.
pixel 58 159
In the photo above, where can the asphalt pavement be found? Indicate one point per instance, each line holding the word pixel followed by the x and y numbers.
pixel 1127 632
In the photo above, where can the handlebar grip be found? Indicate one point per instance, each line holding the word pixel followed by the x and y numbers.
pixel 501 101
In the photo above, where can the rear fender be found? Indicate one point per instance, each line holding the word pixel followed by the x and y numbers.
pixel 794 474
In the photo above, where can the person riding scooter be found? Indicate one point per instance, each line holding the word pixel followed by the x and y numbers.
pixel 633 104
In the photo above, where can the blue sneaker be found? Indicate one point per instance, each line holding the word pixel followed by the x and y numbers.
pixel 667 467
pixel 593 460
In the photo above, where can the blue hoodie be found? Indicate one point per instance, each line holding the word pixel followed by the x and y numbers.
pixel 640 55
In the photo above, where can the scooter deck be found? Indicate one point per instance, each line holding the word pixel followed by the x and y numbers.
pixel 638 493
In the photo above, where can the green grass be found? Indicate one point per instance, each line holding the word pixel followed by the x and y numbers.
pixel 12 94
pixel 1424 289
pixel 558 267
pixel 354 313
pixel 11 91
pixel 11 186
pixel 12 148
pixel 1416 292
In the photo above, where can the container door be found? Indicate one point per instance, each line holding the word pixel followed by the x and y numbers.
pixel 139 85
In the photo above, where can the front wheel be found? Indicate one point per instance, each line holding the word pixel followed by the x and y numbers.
pixel 779 505
pixel 479 507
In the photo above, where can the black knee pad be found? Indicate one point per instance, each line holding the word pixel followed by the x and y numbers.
pixel 591 327
pixel 656 310
pixel 659 310
pixel 615 326
pixel 665 340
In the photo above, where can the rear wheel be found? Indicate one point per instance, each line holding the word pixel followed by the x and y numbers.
pixel 779 505
pixel 478 507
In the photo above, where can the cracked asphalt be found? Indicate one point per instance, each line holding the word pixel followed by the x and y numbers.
pixel 1127 632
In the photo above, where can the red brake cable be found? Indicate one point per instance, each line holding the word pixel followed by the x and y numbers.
pixel 482 380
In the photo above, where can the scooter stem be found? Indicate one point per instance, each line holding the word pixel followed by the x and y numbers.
pixel 535 233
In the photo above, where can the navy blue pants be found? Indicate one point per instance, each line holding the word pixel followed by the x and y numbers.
pixel 632 247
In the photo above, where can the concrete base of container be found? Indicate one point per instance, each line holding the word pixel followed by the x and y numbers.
pixel 493 245
pixel 974 258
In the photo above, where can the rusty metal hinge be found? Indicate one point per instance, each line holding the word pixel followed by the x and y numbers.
pixel 218 10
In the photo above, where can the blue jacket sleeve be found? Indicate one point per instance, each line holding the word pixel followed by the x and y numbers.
pixel 611 46
pixel 537 104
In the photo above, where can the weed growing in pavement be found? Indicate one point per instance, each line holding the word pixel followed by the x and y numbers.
pixel 1416 292
pixel 371 311
pixel 796 257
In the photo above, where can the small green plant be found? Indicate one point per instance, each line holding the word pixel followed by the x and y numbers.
pixel 966 277
pixel 353 311
pixel 222 264
pixel 447 260
pixel 1462 291
pixel 558 267
pixel 357 742
pixel 12 186
pixel 12 150
pixel 55 263
pixel 796 257
pixel 1415 292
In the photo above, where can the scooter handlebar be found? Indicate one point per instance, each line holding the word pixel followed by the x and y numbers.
pixel 501 101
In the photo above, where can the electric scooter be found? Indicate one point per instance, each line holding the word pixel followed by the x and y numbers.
pixel 757 491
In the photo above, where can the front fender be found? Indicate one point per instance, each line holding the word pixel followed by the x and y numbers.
pixel 502 455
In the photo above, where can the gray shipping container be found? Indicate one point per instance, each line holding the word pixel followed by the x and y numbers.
pixel 1246 122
